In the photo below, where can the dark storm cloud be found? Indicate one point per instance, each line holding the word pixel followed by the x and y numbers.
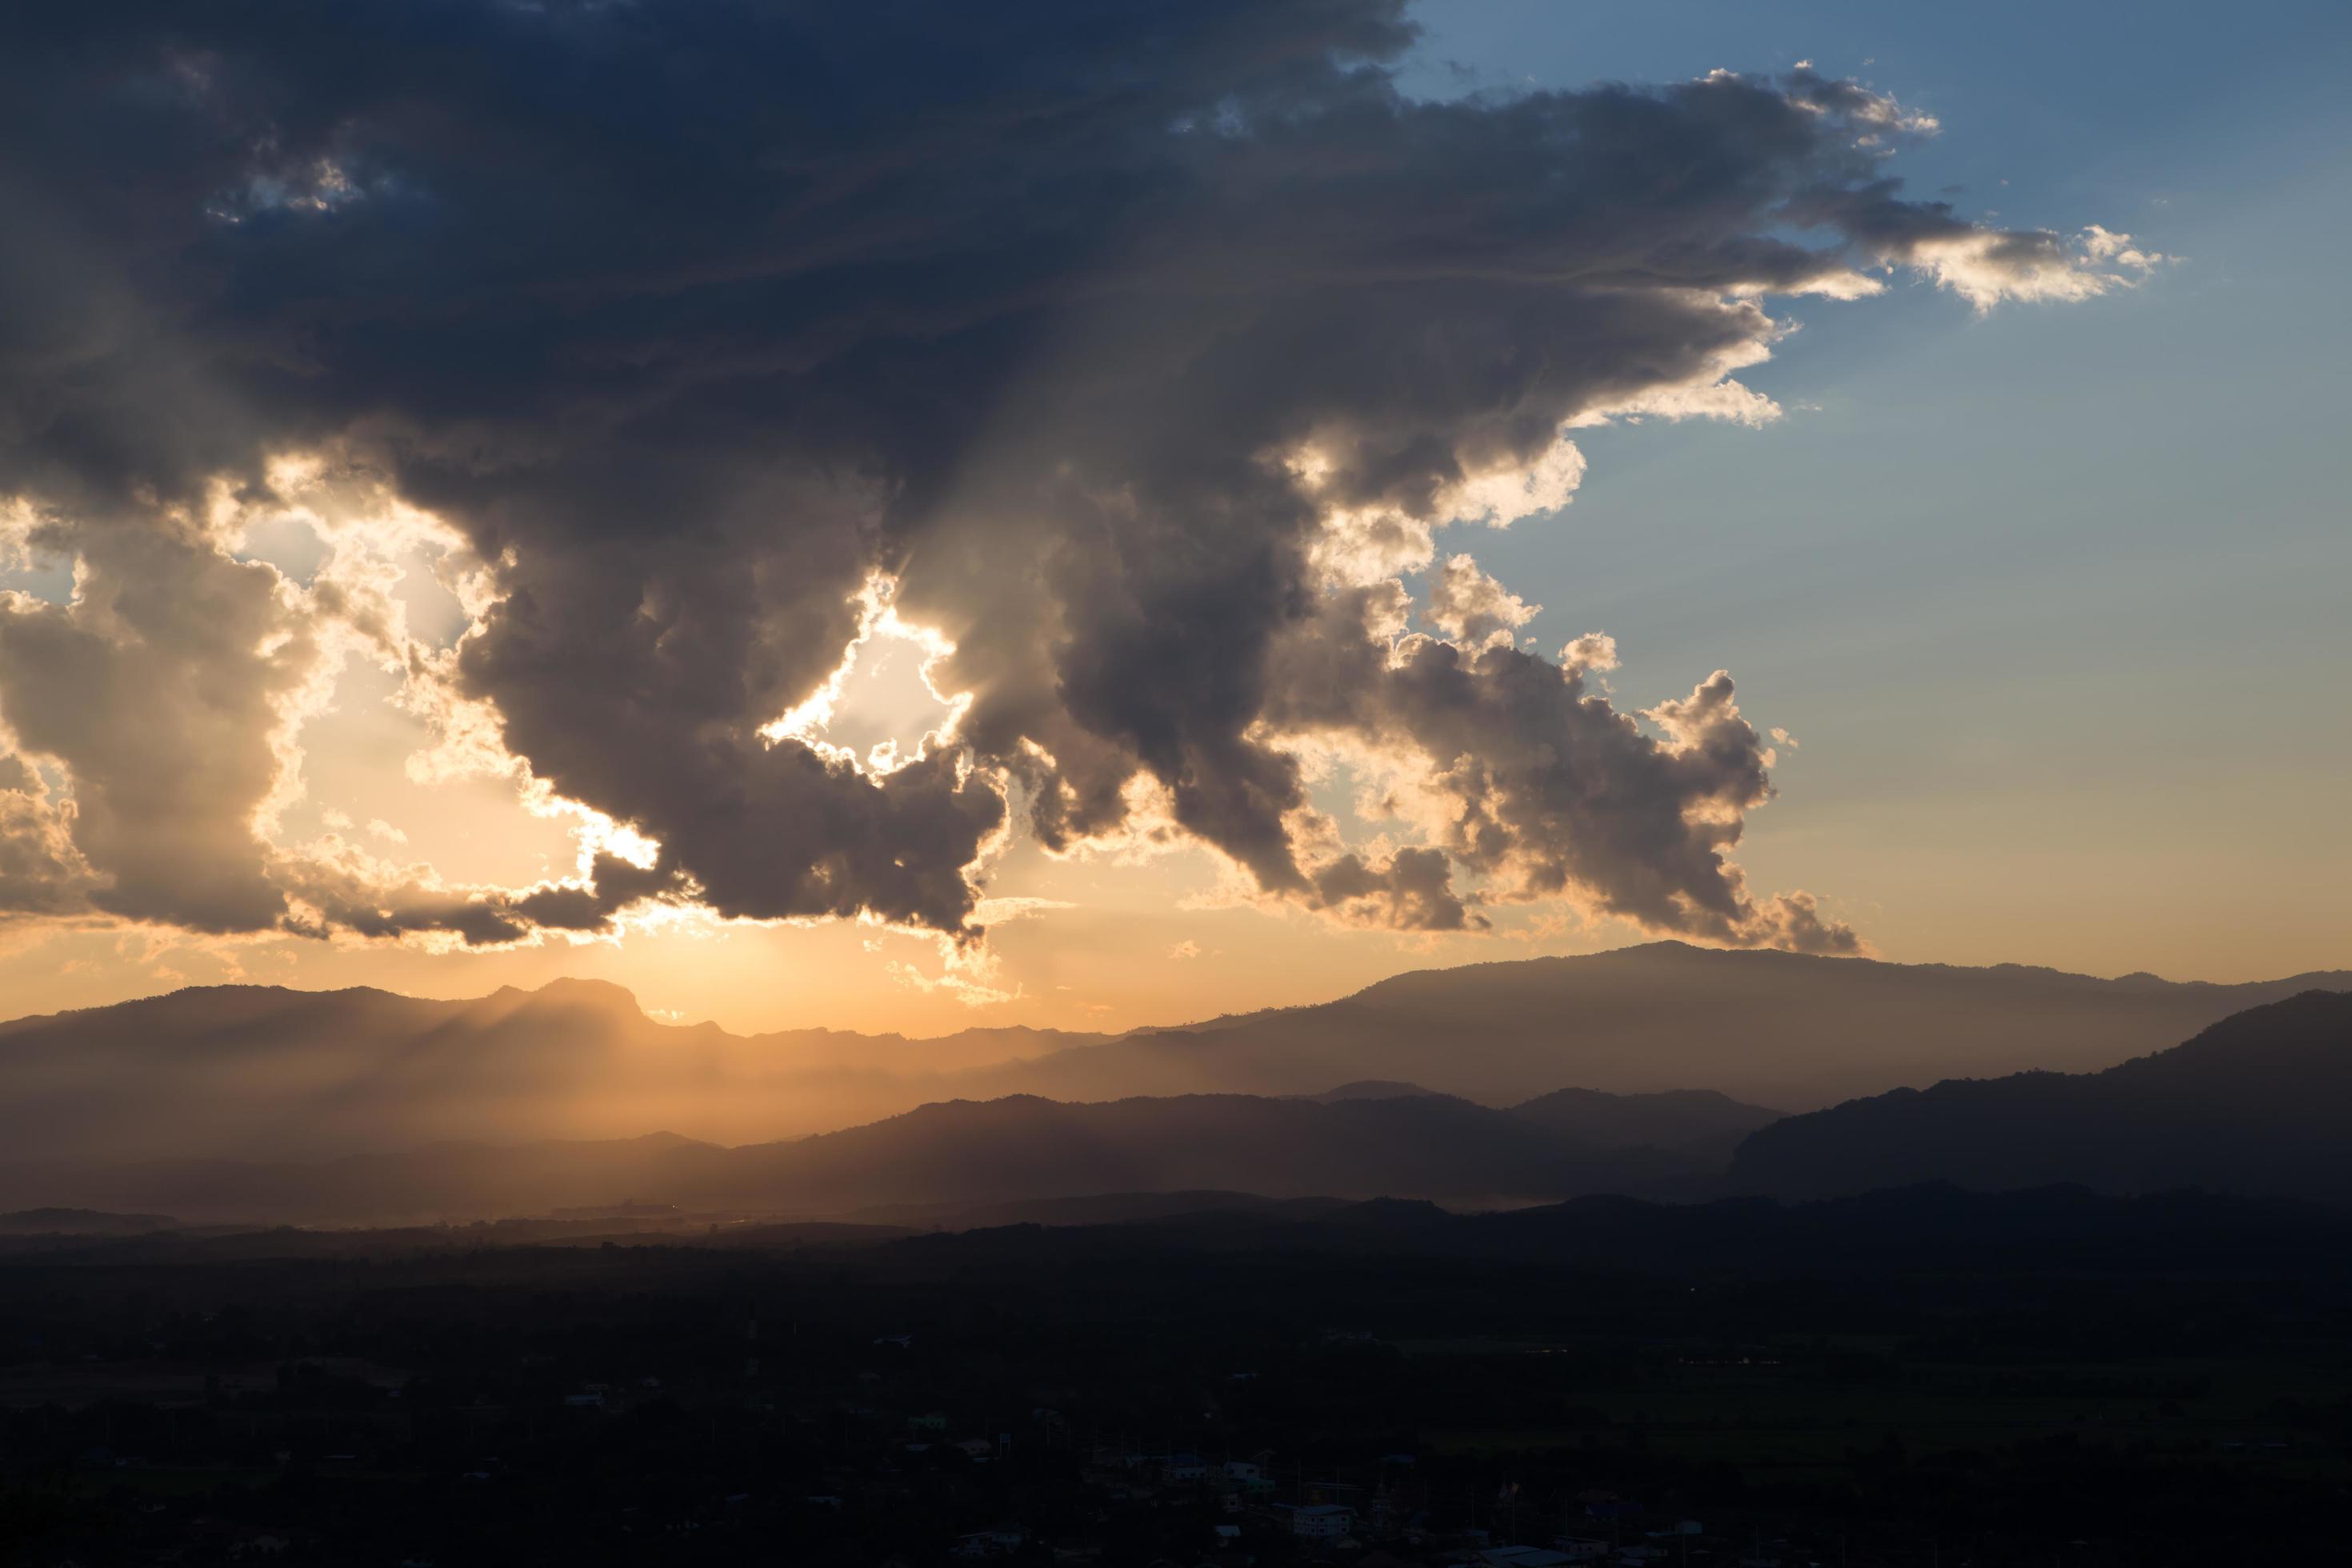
pixel 693 316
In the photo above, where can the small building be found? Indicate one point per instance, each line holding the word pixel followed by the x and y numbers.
pixel 1248 1480
pixel 1322 1522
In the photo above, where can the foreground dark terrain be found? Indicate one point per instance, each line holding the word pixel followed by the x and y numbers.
pixel 2092 1319
pixel 1922 1377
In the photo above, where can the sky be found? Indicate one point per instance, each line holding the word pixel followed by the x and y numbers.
pixel 1280 484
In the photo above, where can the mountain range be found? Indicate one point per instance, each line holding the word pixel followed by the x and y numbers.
pixel 956 1155
pixel 260 1072
pixel 252 1073
pixel 1765 1027
pixel 2258 1103
pixel 2255 1104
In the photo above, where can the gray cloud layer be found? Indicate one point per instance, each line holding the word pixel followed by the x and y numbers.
pixel 1090 326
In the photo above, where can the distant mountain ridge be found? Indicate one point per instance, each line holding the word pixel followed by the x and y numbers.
pixel 2260 1103
pixel 82 1221
pixel 269 1073
pixel 258 1072
pixel 1765 1027
pixel 957 1155
pixel 2257 1104
pixel 1371 1089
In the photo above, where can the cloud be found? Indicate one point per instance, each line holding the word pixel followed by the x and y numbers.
pixel 158 689
pixel 1793 921
pixel 2102 245
pixel 1472 608
pixel 336 888
pixel 1527 779
pixel 1594 651
pixel 1185 949
pixel 1983 266
pixel 1412 891
pixel 41 873
pixel 1131 359
pixel 997 912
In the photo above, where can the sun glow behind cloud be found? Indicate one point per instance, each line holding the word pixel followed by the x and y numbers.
pixel 869 694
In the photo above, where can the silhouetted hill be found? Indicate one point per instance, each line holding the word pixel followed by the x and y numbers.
pixel 1025 1147
pixel 1098 1208
pixel 1934 1231
pixel 1372 1089
pixel 2258 1103
pixel 1770 1028
pixel 450 1181
pixel 259 1071
pixel 1674 1119
pixel 951 1157
pixel 82 1221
